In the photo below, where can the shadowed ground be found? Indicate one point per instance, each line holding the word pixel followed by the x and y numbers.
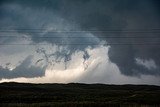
pixel 77 95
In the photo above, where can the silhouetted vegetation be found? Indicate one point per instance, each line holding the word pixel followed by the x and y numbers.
pixel 77 95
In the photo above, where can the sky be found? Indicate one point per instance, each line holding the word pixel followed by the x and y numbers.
pixel 81 41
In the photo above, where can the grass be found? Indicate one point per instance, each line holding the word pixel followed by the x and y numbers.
pixel 77 95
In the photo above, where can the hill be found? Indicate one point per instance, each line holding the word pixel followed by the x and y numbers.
pixel 77 95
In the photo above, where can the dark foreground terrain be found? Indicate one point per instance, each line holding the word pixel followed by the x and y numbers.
pixel 78 95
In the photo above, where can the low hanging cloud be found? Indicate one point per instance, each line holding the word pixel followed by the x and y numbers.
pixel 149 64
pixel 99 70
pixel 23 70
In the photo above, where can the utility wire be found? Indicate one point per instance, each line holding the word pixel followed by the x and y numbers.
pixel 87 44
pixel 128 31
pixel 142 37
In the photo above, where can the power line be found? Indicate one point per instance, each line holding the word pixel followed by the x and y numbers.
pixel 84 37
pixel 90 44
pixel 131 32
pixel 22 28
pixel 153 30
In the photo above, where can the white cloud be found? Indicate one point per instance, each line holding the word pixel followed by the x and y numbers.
pixel 149 64
pixel 100 70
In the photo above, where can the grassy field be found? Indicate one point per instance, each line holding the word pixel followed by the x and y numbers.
pixel 78 95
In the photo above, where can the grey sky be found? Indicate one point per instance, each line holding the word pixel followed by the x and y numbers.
pixel 59 29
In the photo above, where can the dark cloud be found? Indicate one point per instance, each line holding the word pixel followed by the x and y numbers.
pixel 125 19
pixel 23 70
pixel 135 17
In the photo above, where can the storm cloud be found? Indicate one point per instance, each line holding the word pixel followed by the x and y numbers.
pixel 53 31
